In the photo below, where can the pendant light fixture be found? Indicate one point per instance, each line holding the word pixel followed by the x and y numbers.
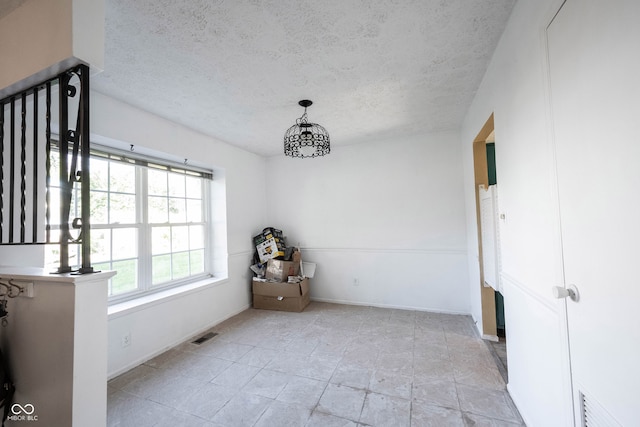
pixel 306 139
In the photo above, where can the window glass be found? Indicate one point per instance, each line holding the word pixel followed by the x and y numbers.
pixel 99 207
pixel 122 178
pixel 177 210
pixel 158 210
pixel 157 182
pixel 122 208
pixel 100 246
pixel 176 185
pixel 160 240
pixel 148 223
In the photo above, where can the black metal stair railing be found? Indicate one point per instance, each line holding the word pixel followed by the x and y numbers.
pixel 27 141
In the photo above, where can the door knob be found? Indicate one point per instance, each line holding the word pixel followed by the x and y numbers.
pixel 571 292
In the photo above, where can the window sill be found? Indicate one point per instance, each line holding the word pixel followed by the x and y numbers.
pixel 145 301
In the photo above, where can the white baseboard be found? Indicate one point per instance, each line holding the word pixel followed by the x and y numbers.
pixel 399 307
pixel 193 335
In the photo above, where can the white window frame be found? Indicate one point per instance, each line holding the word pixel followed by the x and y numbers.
pixel 144 228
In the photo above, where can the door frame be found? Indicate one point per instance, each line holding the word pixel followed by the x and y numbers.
pixel 481 177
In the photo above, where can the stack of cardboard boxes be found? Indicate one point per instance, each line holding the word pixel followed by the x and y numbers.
pixel 280 283
pixel 269 244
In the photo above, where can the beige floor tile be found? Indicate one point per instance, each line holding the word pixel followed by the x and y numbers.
pixel 244 409
pixel 145 414
pixel 435 393
pixel 391 384
pixel 267 383
pixel 320 419
pixel 144 386
pixel 382 410
pixel 401 363
pixel 478 375
pixel 175 419
pixel 319 367
pixel 302 391
pixel 486 402
pixel 331 365
pixel 163 360
pixel 236 376
pixel 425 350
pixel 258 357
pixel 284 415
pixel 225 350
pixel 435 369
pixel 132 375
pixel 174 391
pixel 342 401
pixel 352 376
pixel 204 368
pixel 121 405
pixel 435 416
pixel 302 346
pixel 480 421
pixel 207 400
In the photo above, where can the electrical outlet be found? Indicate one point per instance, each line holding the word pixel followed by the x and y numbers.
pixel 126 340
pixel 28 290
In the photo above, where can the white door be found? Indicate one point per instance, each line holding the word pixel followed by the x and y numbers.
pixel 594 60
pixel 489 236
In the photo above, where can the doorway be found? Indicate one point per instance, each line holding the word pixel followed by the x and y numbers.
pixel 492 301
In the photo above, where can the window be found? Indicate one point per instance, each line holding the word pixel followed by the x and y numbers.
pixel 148 222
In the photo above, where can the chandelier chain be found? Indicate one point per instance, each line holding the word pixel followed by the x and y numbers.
pixel 303 119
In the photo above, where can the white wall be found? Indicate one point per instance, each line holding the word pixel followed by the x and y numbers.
pixel 387 213
pixel 515 89
pixel 55 345
pixel 158 326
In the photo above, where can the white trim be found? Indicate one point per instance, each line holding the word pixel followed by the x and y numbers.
pixel 519 404
pixel 435 251
pixel 509 280
pixel 493 338
pixel 145 301
pixel 242 253
pixel 400 307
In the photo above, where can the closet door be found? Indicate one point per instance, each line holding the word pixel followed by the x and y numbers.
pixel 594 60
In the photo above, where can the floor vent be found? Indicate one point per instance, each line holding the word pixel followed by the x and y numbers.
pixel 205 337
pixel 594 415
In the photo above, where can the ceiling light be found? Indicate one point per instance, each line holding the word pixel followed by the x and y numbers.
pixel 306 139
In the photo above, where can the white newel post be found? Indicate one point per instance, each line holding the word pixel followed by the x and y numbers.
pixel 55 344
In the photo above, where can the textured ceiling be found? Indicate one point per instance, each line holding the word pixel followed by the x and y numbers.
pixel 236 69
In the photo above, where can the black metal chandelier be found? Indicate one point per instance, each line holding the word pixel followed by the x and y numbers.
pixel 306 139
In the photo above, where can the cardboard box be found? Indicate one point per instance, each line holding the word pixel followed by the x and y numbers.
pixel 270 233
pixel 281 296
pixel 269 249
pixel 281 270
pixel 269 244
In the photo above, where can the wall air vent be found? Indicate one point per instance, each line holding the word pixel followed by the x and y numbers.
pixel 594 415
pixel 205 337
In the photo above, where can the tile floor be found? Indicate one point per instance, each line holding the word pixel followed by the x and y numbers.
pixel 331 365
pixel 499 351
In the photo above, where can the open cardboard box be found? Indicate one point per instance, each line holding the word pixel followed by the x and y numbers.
pixel 281 270
pixel 274 292
pixel 281 295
